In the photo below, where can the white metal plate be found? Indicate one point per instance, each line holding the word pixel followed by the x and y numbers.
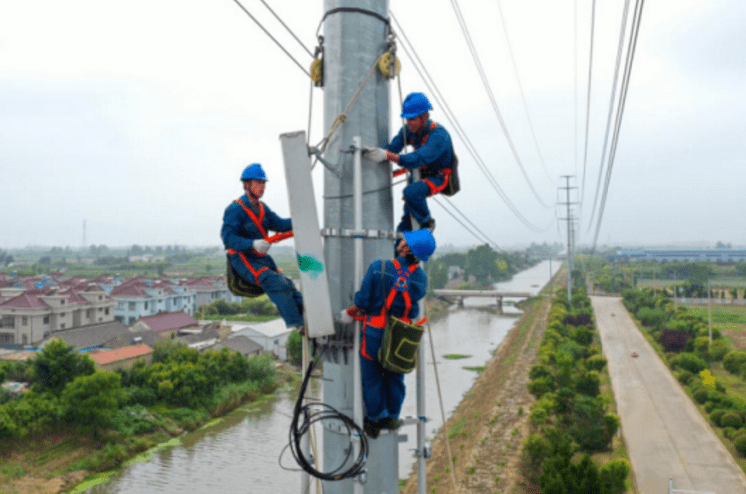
pixel 310 252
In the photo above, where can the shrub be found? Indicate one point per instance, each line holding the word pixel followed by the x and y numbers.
pixel 611 424
pixel 613 475
pixel 589 383
pixel 541 386
pixel 733 361
pixel 717 415
pixel 701 395
pixel 596 363
pixel 710 406
pixel 651 317
pixel 728 432
pixel 685 377
pixel 740 443
pixel 535 451
pixel 690 362
pixel 719 349
pixel 731 419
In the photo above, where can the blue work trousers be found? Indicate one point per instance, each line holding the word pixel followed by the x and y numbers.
pixel 383 390
pixel 281 292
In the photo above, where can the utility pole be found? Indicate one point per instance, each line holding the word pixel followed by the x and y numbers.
pixel 570 235
pixel 355 35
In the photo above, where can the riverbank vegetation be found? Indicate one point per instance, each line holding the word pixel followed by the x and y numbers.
pixel 77 418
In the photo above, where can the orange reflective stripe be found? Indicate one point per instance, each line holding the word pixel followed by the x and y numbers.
pixel 249 266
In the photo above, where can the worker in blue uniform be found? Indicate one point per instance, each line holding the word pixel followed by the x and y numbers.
pixel 433 156
pixel 245 225
pixel 394 291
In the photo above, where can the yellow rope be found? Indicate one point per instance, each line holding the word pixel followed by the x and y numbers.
pixel 343 116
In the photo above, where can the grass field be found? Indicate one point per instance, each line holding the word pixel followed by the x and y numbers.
pixel 723 316
pixel 717 281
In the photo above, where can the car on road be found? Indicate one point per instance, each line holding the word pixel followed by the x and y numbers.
pixel 635 354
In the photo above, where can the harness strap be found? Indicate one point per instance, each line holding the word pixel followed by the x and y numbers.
pixel 258 223
pixel 249 266
pixel 434 189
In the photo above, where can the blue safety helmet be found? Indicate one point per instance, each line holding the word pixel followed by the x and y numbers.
pixel 253 172
pixel 415 105
pixel 421 243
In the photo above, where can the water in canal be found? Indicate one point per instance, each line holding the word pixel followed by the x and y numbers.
pixel 240 454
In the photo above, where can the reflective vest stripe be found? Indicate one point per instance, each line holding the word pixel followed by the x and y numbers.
pixel 434 189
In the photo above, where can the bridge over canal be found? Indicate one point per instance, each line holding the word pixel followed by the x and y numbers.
pixel 458 296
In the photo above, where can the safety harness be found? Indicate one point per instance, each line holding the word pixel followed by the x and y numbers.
pixel 258 223
pixel 401 285
pixel 434 189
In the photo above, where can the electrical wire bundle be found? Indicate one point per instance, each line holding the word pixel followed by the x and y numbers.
pixel 304 416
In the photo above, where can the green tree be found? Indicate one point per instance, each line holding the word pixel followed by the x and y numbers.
pixel 295 347
pixel 58 364
pixel 91 400
pixel 482 263
pixel 437 275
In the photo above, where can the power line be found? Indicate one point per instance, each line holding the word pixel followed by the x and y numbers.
pixel 463 225
pixel 620 46
pixel 520 87
pixel 588 106
pixel 634 32
pixel 430 83
pixel 272 38
pixel 488 239
pixel 485 82
pixel 287 28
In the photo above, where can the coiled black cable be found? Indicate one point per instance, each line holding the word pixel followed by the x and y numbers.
pixel 304 416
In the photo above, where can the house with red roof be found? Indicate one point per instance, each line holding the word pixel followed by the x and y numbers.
pixel 166 322
pixel 122 358
pixel 34 314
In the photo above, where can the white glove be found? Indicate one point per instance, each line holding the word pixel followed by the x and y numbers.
pixel 344 317
pixel 375 154
pixel 261 245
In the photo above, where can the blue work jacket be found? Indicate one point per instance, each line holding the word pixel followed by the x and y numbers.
pixel 239 231
pixel 372 294
pixel 436 154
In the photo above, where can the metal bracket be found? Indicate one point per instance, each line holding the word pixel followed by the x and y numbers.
pixel 314 151
pixel 352 233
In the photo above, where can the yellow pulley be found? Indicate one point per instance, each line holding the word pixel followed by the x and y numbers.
pixel 384 65
pixel 317 72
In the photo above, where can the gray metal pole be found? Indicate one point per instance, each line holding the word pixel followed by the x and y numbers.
pixel 357 382
pixel 353 41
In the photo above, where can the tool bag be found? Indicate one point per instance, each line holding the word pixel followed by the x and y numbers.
pixel 238 286
pixel 401 340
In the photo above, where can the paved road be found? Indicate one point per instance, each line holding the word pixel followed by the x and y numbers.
pixel 665 434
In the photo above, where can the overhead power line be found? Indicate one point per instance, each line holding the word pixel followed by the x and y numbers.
pixel 617 65
pixel 485 82
pixel 451 117
pixel 484 238
pixel 520 87
pixel 588 105
pixel 273 38
pixel 634 32
pixel 287 28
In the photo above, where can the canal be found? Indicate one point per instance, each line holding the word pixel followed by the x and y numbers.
pixel 242 452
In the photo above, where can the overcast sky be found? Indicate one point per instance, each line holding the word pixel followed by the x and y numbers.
pixel 137 117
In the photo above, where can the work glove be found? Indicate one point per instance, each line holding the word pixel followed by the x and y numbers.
pixel 375 154
pixel 344 317
pixel 261 245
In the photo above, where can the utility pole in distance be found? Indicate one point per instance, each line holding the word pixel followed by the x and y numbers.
pixel 570 236
pixel 355 35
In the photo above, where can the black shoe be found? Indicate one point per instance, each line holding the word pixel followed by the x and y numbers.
pixel 429 224
pixel 371 428
pixel 390 424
